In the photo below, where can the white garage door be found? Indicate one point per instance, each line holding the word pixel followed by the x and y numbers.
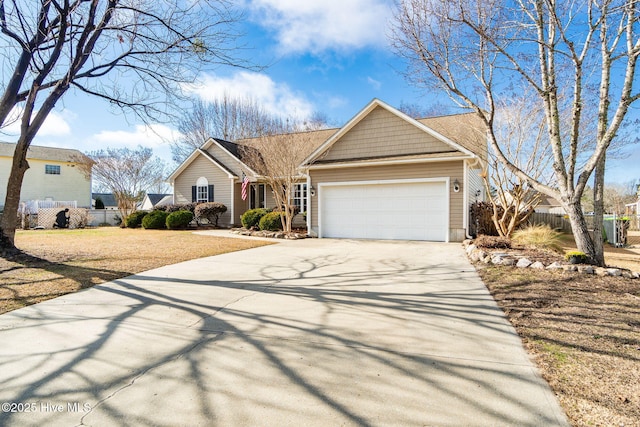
pixel 403 211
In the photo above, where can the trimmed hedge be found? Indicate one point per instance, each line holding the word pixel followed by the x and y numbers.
pixel 135 219
pixel 251 218
pixel 156 220
pixel 179 219
pixel 271 222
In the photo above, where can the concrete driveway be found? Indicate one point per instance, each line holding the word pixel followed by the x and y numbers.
pixel 303 333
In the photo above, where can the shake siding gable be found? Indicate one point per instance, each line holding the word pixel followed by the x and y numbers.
pixel 383 134
pixel 217 177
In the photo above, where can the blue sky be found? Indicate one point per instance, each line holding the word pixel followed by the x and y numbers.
pixel 331 56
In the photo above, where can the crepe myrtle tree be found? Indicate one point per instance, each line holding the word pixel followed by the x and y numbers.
pixel 573 56
pixel 135 54
pixel 127 173
pixel 275 157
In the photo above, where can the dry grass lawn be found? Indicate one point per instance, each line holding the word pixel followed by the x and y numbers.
pixel 57 262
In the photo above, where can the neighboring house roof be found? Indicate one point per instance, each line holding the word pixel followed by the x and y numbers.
pixel 108 199
pixel 44 153
pixel 156 198
pixel 166 200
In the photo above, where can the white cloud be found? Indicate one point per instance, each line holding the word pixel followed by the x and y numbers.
pixel 277 98
pixel 155 136
pixel 317 26
pixel 56 124
pixel 375 84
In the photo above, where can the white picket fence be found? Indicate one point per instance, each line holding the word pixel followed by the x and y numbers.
pixel 33 206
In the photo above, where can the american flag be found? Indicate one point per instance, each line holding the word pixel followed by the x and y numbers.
pixel 245 184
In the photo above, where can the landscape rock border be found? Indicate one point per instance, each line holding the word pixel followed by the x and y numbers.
pixel 269 234
pixel 479 255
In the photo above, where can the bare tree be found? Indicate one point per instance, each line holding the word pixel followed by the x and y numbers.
pixel 616 196
pixel 276 156
pixel 227 117
pixel 520 126
pixel 135 54
pixel 586 51
pixel 126 173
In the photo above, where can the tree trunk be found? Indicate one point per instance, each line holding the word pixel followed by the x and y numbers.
pixel 598 212
pixel 9 220
pixel 583 239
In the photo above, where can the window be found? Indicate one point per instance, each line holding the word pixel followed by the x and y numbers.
pixel 300 197
pixel 52 169
pixel 202 192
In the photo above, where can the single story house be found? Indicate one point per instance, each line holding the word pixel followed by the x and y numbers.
pixel 53 175
pixel 383 175
pixel 153 200
pixel 550 205
pixel 108 200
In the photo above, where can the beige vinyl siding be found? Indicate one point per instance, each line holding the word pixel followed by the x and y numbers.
pixel 452 170
pixel 70 185
pixel 475 184
pixel 383 134
pixel 216 177
pixel 226 159
pixel 270 200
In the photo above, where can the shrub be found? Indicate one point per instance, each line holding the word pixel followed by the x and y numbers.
pixel 79 218
pixel 492 242
pixel 251 218
pixel 576 257
pixel 179 207
pixel 271 222
pixel 210 212
pixel 155 220
pixel 99 203
pixel 134 220
pixel 539 236
pixel 179 219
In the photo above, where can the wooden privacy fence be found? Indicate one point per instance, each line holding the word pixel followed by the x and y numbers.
pixel 556 221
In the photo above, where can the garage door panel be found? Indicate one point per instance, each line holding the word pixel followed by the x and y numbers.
pixel 408 211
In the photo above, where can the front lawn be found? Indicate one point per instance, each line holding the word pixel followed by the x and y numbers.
pixel 57 262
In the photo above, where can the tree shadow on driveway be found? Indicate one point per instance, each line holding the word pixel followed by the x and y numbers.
pixel 317 341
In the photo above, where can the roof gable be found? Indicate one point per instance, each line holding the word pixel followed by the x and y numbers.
pixel 45 153
pixel 213 150
pixel 381 131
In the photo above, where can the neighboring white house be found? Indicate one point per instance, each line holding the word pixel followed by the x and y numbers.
pixel 152 200
pixel 550 205
pixel 53 175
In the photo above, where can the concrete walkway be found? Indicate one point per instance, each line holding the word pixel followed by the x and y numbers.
pixel 303 333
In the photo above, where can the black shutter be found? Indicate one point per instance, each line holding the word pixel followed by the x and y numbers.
pixel 211 193
pixel 194 194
